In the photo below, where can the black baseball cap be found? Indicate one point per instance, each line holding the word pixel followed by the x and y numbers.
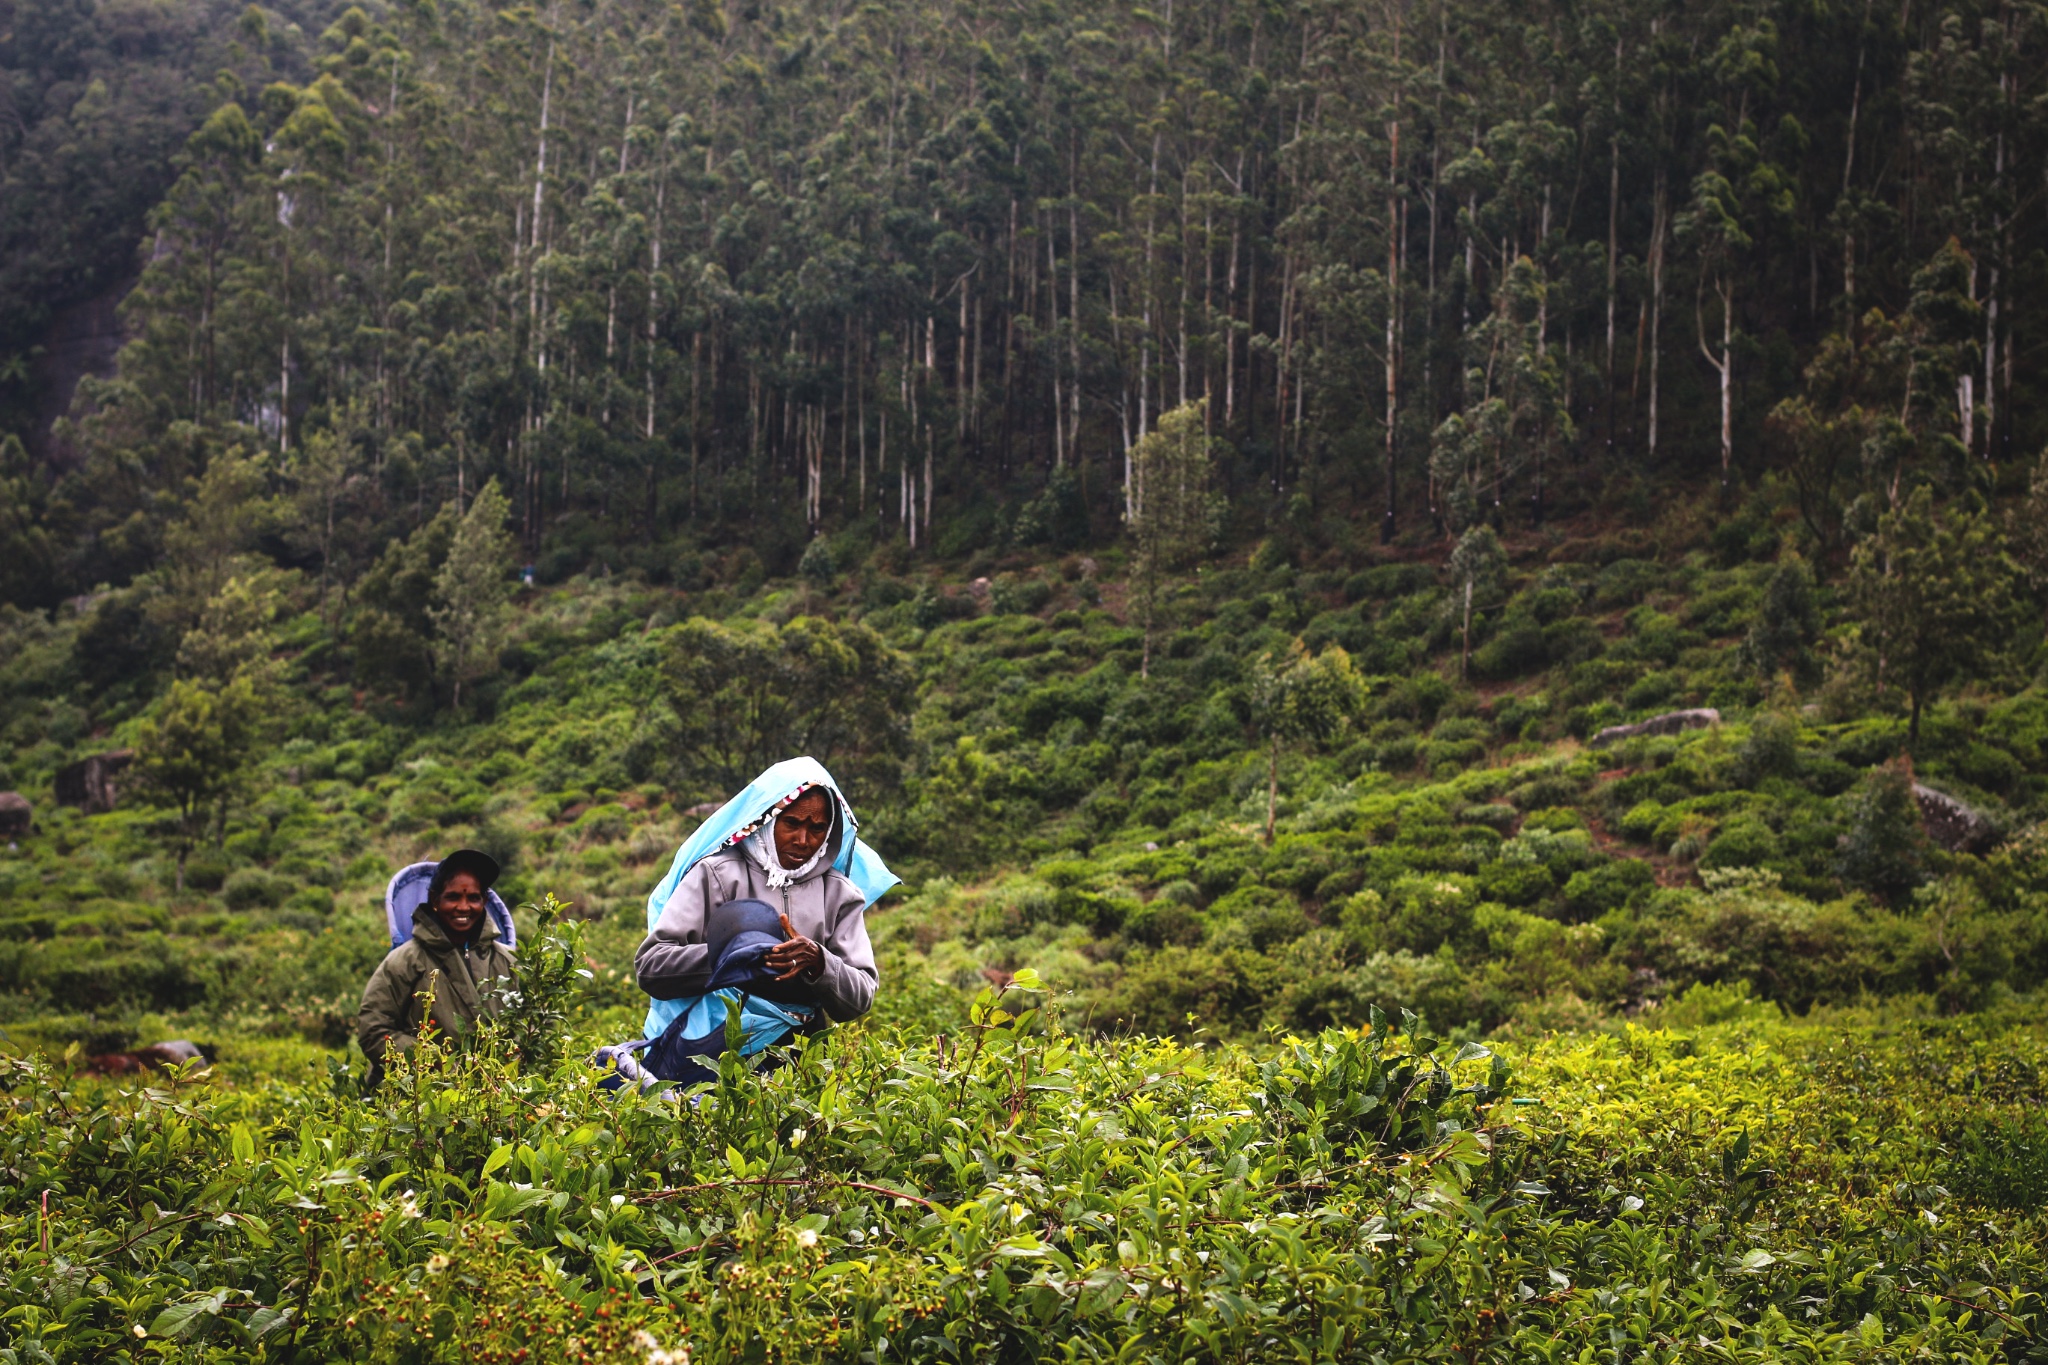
pixel 481 866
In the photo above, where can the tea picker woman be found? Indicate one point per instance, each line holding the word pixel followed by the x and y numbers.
pixel 764 907
pixel 455 956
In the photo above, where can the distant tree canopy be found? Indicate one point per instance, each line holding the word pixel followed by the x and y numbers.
pixel 745 696
pixel 678 275
pixel 96 98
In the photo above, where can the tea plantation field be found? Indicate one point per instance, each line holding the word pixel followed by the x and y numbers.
pixel 1004 1189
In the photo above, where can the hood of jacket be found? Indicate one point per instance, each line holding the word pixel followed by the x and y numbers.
pixel 430 933
pixel 758 803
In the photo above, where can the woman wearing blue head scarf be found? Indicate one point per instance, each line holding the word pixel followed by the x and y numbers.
pixel 765 904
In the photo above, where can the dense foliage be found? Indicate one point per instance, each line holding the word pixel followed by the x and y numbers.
pixel 699 281
pixel 1459 850
pixel 1218 484
pixel 96 101
pixel 1007 1192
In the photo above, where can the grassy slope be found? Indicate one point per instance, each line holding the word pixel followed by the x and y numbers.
pixel 1835 1189
pixel 1462 852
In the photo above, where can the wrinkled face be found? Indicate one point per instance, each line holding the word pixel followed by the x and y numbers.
pixel 461 904
pixel 803 827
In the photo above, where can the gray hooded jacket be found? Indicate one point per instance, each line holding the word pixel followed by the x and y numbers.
pixel 822 905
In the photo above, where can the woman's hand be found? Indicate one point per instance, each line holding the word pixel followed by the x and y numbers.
pixel 798 957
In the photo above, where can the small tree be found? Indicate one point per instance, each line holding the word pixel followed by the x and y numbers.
pixel 1478 568
pixel 27 557
pixel 472 592
pixel 227 513
pixel 1174 517
pixel 325 473
pixel 1302 698
pixel 2027 533
pixel 195 747
pixel 1786 624
pixel 1884 851
pixel 233 637
pixel 192 750
pixel 547 971
pixel 1932 597
pixel 747 694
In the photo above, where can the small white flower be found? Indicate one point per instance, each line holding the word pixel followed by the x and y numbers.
pixel 1631 1203
pixel 618 1199
pixel 658 1356
pixel 806 1238
pixel 437 1263
pixel 140 1330
pixel 796 1139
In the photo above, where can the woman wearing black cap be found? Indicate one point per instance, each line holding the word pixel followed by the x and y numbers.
pixel 453 954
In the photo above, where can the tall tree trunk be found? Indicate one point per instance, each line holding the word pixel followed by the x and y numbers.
pixel 1052 274
pixel 1393 343
pixel 1465 633
pixel 1660 227
pixel 1074 300
pixel 1848 174
pixel 654 318
pixel 1613 234
pixel 1724 363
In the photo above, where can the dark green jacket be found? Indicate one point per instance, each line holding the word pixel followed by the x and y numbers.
pixel 460 976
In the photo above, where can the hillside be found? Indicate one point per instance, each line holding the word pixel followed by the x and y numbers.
pixel 1441 609
pixel 1459 849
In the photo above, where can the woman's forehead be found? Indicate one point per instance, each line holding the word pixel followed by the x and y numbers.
pixel 811 804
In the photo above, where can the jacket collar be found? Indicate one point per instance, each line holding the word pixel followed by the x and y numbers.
pixel 429 932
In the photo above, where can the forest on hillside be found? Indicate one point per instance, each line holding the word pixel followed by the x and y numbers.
pixel 1441 609
pixel 1206 476
pixel 697 283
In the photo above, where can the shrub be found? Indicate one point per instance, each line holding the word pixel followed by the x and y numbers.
pixel 1015 594
pixel 1624 582
pixel 547 967
pixel 1175 989
pixel 1771 748
pixel 1258 917
pixel 1705 1004
pixel 1594 892
pixel 251 888
pixel 1741 843
pixel 1883 851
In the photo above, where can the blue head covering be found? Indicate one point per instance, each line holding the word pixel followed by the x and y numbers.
pixel 741 816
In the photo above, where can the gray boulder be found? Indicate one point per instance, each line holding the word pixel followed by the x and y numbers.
pixel 1955 825
pixel 1670 723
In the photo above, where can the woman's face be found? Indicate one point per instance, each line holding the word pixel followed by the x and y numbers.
pixel 802 828
pixel 461 904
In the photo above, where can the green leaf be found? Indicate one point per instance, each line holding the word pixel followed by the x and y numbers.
pixel 266 1320
pixel 180 1318
pixel 503 1202
pixel 500 1157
